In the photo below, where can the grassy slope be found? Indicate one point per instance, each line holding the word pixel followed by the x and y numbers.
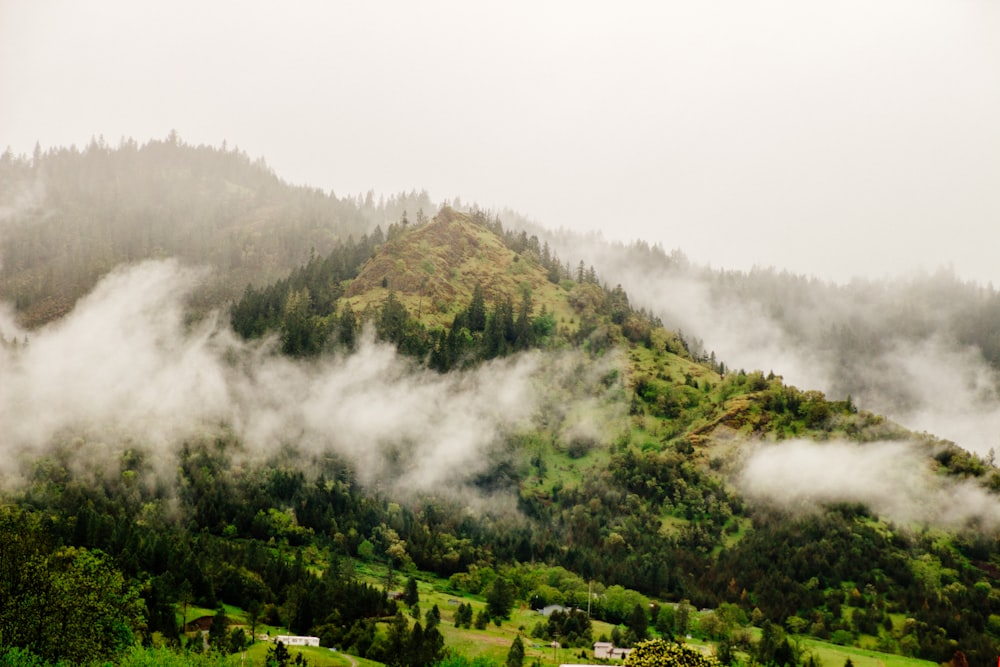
pixel 494 642
pixel 832 655
pixel 433 270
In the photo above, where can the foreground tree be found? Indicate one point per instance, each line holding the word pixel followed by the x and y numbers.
pixel 500 598
pixel 66 604
pixel 661 653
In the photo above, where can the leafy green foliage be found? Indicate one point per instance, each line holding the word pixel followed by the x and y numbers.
pixel 463 615
pixel 61 603
pixel 570 628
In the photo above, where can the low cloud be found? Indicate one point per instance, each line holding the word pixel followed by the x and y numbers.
pixel 895 480
pixel 125 370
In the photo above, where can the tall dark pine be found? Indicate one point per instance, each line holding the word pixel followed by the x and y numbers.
pixel 476 319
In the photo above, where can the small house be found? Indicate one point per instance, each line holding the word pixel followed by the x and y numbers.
pixel 296 640
pixel 608 651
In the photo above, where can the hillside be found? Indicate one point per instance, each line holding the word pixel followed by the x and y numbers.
pixel 450 401
pixel 435 268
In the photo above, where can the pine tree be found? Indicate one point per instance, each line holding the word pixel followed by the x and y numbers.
pixel 500 598
pixel 433 617
pixel 217 633
pixel 515 656
pixel 278 655
pixel 476 313
pixel 411 595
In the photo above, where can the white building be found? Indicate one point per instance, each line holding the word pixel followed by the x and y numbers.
pixel 608 651
pixel 295 640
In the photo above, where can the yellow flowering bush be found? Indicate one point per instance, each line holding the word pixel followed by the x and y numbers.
pixel 662 653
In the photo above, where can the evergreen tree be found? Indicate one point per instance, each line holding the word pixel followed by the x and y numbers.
pixel 515 656
pixel 475 318
pixel 278 656
pixel 500 598
pixel 523 332
pixel 463 615
pixel 682 618
pixel 347 327
pixel 433 617
pixel 638 623
pixel 392 322
pixel 217 633
pixel 411 596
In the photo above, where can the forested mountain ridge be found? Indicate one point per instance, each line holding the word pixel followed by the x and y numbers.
pixel 569 440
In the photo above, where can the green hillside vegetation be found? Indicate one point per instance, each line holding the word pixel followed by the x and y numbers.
pixel 434 268
pixel 621 504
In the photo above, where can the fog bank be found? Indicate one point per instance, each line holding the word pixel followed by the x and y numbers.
pixel 124 370
pixel 893 479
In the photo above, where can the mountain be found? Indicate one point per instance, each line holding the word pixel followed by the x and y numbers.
pixel 438 266
pixel 445 396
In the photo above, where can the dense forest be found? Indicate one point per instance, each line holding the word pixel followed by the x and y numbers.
pixel 618 489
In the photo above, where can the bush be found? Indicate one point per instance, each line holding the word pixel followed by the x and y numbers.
pixel 661 653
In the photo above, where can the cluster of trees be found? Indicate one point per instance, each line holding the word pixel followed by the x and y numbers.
pixel 303 308
pixel 400 646
pixel 570 628
pixel 463 615
pixel 61 603
pixel 839 576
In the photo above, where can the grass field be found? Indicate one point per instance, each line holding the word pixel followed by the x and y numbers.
pixel 832 655
pixel 493 642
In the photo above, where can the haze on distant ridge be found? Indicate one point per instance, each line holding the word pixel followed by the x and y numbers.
pixel 833 139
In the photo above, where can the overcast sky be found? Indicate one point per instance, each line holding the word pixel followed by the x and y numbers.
pixel 833 138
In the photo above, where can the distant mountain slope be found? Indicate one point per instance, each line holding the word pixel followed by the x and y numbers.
pixel 67 217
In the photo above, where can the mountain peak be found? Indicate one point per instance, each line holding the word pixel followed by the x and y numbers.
pixel 433 269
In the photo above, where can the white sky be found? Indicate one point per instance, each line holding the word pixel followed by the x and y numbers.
pixel 834 138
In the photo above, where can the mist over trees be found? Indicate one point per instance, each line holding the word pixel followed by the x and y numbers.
pixel 70 215
pixel 923 348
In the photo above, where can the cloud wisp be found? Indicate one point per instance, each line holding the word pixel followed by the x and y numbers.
pixel 893 479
